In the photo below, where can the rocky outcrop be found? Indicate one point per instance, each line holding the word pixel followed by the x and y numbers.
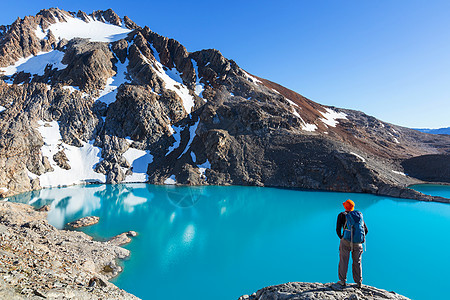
pixel 319 291
pixel 84 222
pixel 201 118
pixel 123 238
pixel 37 260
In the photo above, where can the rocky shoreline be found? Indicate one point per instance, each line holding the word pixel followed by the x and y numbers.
pixel 38 261
pixel 320 291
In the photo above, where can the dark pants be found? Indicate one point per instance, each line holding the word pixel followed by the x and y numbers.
pixel 344 255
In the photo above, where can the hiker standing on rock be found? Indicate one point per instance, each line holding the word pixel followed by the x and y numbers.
pixel 355 230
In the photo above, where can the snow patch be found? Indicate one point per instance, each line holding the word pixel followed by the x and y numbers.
pixel 139 160
pixel 40 33
pixel 176 133
pixel 330 117
pixel 2 108
pixel 199 87
pixel 4 189
pixel 192 130
pixel 292 103
pixel 82 160
pixel 202 168
pixel 31 176
pixel 309 127
pixel 358 156
pixel 251 78
pixel 171 180
pixel 109 93
pixel 172 81
pixel 399 173
pixel 94 30
pixel 72 89
pixel 36 64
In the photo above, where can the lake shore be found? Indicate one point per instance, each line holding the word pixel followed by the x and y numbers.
pixel 38 260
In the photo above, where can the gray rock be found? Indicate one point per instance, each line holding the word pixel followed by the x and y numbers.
pixel 42 261
pixel 319 291
pixel 83 222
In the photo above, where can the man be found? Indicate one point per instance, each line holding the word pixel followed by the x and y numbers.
pixel 355 229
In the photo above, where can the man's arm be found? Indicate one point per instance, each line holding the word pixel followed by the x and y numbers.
pixel 365 228
pixel 340 224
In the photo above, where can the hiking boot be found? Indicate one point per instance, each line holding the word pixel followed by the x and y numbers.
pixel 342 283
pixel 359 285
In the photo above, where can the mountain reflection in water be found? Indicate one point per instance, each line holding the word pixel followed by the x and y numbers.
pixel 195 242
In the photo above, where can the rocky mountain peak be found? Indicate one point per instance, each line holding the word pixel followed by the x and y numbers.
pixel 97 98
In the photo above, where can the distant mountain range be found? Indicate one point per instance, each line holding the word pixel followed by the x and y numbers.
pixel 435 131
pixel 97 98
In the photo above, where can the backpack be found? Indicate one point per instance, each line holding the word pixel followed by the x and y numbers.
pixel 354 227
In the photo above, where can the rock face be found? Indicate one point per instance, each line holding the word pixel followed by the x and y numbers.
pixel 319 291
pixel 134 106
pixel 123 238
pixel 39 261
pixel 83 222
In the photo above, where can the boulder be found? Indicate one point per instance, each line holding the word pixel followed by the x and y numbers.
pixel 83 222
pixel 320 291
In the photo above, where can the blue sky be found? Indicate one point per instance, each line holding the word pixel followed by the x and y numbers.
pixel 390 59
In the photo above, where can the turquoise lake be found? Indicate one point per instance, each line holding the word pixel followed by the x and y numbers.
pixel 222 242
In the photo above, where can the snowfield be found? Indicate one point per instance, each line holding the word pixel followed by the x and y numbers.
pixel 36 64
pixel 139 160
pixel 330 117
pixel 81 159
pixel 93 30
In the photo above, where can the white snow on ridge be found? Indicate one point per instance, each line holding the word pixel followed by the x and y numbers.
pixel 192 130
pixel 199 87
pixel 139 160
pixel 202 168
pixel 330 117
pixel 358 156
pixel 292 102
pixel 251 78
pixel 171 180
pixel 81 159
pixel 309 127
pixel 36 64
pixel 2 108
pixel 172 81
pixel 94 30
pixel 177 136
pixel 399 173
pixel 109 93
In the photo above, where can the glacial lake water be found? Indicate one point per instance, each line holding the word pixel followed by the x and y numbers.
pixel 222 242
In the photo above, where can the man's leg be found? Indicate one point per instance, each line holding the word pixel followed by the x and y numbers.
pixel 344 255
pixel 357 266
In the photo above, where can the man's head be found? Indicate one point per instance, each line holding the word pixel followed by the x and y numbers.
pixel 349 205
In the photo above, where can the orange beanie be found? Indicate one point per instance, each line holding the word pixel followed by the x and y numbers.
pixel 349 205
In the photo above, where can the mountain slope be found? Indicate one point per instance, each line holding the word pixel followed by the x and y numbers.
pixel 96 98
pixel 435 131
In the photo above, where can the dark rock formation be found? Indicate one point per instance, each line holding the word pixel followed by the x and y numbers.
pixel 432 167
pixel 201 118
pixel 319 291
